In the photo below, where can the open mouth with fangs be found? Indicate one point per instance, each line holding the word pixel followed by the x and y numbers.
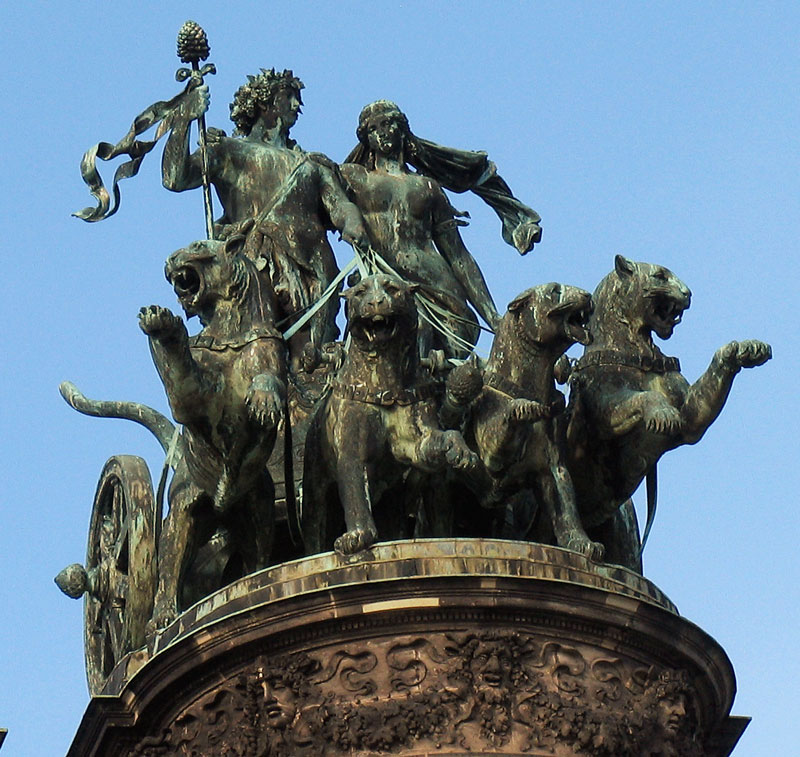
pixel 578 325
pixel 375 330
pixel 187 283
pixel 667 314
pixel 576 320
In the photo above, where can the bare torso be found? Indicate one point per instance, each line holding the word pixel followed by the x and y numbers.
pixel 262 181
pixel 400 212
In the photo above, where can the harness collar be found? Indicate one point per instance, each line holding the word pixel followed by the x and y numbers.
pixel 384 398
pixel 657 364
pixel 216 343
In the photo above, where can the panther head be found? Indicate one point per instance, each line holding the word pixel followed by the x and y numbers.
pixel 207 272
pixel 647 297
pixel 381 311
pixel 554 316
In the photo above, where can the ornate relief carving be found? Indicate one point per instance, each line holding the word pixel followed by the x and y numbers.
pixel 488 690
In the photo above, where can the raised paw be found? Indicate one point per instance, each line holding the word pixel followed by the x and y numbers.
pixel 265 407
pixel 532 411
pixel 526 410
pixel 582 544
pixel 160 323
pixel 354 541
pixel 746 354
pixel 462 457
pixel 663 420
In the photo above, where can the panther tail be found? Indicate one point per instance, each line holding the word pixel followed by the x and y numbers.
pixel 159 425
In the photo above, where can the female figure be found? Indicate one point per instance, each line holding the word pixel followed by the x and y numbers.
pixel 412 225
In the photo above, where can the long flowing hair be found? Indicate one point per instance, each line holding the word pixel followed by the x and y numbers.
pixel 456 170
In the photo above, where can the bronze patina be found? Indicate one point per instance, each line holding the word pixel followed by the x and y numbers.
pixel 629 403
pixel 547 643
pixel 262 176
pixel 378 421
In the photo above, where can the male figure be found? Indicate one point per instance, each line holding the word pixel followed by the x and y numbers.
pixel 294 197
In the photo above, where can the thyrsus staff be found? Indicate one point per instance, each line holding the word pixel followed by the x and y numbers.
pixel 192 48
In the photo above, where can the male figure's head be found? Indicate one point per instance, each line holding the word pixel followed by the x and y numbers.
pixel 271 96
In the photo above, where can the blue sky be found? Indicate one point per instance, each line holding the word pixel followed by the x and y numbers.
pixel 667 132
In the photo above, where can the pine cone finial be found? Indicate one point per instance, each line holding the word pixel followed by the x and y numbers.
pixel 192 43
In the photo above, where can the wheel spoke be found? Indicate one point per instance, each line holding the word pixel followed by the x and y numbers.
pixel 121 542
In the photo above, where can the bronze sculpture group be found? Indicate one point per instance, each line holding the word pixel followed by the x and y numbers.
pixel 406 432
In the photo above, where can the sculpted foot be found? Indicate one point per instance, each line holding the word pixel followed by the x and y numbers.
pixel 355 541
pixel 582 544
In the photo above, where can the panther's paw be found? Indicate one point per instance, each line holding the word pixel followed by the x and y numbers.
pixel 663 420
pixel 447 449
pixel 582 544
pixel 160 323
pixel 747 354
pixel 265 407
pixel 354 541
pixel 457 454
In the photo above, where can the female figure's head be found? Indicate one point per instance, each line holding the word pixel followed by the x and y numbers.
pixel 382 130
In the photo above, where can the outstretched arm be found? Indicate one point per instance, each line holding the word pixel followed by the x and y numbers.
pixel 181 170
pixel 448 241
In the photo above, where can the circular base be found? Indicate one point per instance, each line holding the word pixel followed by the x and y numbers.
pixel 446 647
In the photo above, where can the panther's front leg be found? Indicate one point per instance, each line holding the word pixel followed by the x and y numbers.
pixel 359 443
pixel 707 396
pixel 353 475
pixel 169 346
pixel 504 435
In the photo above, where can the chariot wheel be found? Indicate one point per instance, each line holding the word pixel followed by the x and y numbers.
pixel 120 566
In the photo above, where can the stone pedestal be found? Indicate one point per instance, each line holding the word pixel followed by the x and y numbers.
pixel 428 647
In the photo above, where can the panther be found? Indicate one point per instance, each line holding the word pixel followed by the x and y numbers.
pixel 629 403
pixel 227 387
pixel 515 422
pixel 377 426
